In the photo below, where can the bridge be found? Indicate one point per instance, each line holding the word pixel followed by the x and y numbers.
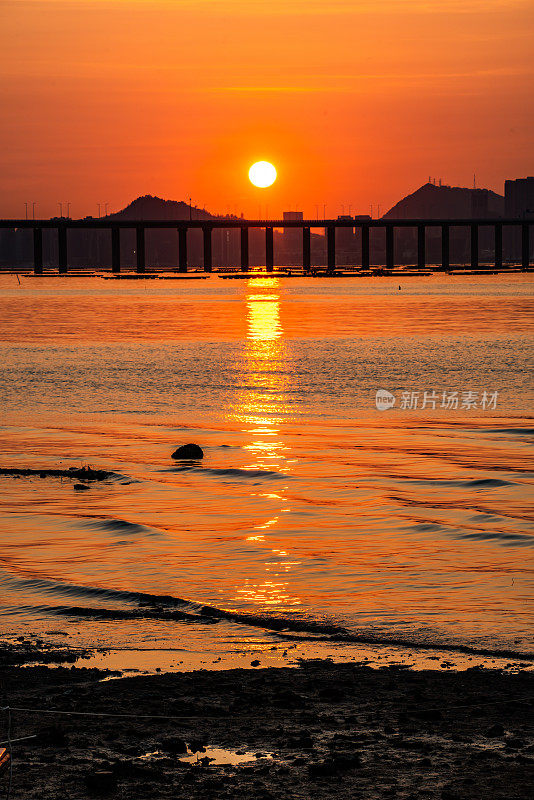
pixel 64 225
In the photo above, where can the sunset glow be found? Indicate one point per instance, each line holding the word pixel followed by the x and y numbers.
pixel 355 102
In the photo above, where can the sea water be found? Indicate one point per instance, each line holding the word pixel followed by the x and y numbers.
pixel 312 511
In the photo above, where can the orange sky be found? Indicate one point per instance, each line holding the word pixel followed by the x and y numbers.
pixel 355 102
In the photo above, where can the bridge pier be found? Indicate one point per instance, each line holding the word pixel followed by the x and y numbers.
pixel 206 230
pixel 445 246
pixel 269 249
pixel 140 248
pixel 365 246
pixel 421 246
pixel 498 246
pixel 115 249
pixel 182 249
pixel 37 251
pixel 244 249
pixel 62 249
pixel 306 249
pixel 390 247
pixel 525 245
pixel 331 248
pixel 474 246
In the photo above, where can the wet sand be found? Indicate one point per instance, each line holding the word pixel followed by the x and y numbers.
pixel 313 731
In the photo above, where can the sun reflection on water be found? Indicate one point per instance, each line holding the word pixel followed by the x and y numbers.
pixel 261 406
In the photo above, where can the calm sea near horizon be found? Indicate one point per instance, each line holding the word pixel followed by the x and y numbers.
pixel 310 506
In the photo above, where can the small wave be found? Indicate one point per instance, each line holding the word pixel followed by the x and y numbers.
pixel 88 612
pixel 51 587
pixel 289 629
pixel 487 483
pixel 274 623
pixel 230 472
pixel 119 526
pixel 517 431
pixel 168 608
pixel 524 539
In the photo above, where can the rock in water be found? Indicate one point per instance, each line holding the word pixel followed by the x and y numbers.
pixel 101 782
pixel 188 451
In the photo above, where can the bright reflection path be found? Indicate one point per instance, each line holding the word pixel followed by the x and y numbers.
pixel 261 408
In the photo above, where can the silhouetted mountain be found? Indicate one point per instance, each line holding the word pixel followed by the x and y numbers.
pixel 149 207
pixel 445 202
pixel 453 202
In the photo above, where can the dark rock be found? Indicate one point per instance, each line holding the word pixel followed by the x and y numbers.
pixel 101 782
pixel 133 770
pixel 304 742
pixel 188 451
pixel 332 766
pixel 173 744
pixel 197 746
pixel 255 663
pixel 331 694
pixel 322 769
pixel 287 698
pixel 515 743
pixel 346 761
pixel 80 487
pixel 53 736
pixel 495 730
pixel 429 715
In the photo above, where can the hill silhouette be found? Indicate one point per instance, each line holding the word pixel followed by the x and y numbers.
pixel 454 202
pixel 151 207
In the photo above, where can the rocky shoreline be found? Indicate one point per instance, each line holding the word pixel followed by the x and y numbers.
pixel 271 733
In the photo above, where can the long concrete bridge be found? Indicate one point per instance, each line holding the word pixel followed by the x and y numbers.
pixel 114 226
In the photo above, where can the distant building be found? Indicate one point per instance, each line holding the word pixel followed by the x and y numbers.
pixel 519 197
pixel 345 242
pixel 518 204
pixel 292 238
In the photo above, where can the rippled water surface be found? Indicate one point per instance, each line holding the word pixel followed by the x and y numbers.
pixel 310 506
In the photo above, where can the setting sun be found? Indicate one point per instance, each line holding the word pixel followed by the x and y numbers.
pixel 262 174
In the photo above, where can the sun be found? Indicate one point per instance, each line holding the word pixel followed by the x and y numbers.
pixel 262 174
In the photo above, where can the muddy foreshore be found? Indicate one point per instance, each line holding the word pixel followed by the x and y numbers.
pixel 321 729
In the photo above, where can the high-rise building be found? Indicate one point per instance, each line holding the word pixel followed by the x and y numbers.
pixel 519 197
pixel 518 204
